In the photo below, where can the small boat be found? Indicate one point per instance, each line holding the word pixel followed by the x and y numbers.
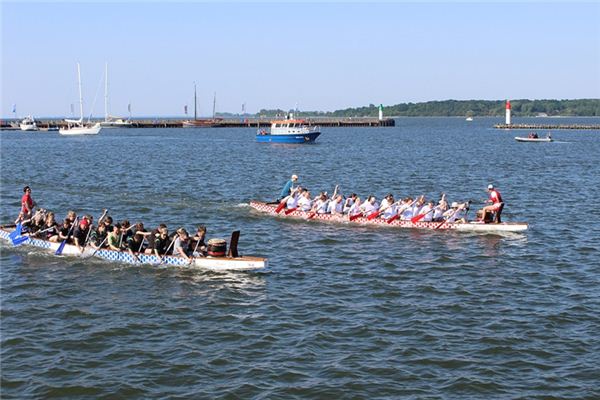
pixel 112 122
pixel 76 126
pixel 469 119
pixel 471 226
pixel 28 124
pixel 232 262
pixel 289 130
pixel 534 139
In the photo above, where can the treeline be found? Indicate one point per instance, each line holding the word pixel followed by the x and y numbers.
pixel 456 108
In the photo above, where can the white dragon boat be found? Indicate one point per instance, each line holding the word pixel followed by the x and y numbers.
pixel 472 226
pixel 227 263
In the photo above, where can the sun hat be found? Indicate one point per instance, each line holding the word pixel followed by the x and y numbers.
pixel 294 176
pixel 454 204
pixel 490 186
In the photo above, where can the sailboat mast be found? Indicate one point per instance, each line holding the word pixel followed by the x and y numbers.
pixel 106 93
pixel 80 96
pixel 214 104
pixel 195 106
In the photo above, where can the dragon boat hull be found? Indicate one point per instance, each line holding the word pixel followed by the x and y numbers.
pixel 244 263
pixel 463 227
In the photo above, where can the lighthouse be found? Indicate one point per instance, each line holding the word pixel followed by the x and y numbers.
pixel 381 112
pixel 507 112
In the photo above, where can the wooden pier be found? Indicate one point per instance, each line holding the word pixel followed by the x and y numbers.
pixel 44 124
pixel 546 126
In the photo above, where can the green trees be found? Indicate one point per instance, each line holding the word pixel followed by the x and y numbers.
pixel 461 108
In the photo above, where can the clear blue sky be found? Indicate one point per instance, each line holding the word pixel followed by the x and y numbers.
pixel 271 55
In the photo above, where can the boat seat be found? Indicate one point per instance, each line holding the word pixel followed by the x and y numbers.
pixel 233 243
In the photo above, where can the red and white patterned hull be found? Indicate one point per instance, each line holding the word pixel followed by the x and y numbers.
pixel 465 227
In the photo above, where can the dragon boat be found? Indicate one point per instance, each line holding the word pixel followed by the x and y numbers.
pixel 231 262
pixel 471 226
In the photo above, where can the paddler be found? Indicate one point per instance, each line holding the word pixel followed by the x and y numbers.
pixel 496 207
pixel 287 188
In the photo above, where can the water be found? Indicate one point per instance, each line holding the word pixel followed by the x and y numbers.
pixel 341 312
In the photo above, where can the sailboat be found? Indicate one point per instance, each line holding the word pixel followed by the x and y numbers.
pixel 109 121
pixel 201 123
pixel 76 126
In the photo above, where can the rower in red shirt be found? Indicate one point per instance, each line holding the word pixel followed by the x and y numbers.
pixel 496 206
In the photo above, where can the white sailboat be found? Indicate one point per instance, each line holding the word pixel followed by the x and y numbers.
pixel 110 121
pixel 76 126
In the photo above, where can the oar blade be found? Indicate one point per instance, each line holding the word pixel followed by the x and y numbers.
pixel 59 251
pixel 291 210
pixel 393 218
pixel 355 217
pixel 280 207
pixel 373 216
pixel 417 218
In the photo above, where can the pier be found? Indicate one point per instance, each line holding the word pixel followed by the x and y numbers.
pixel 44 124
pixel 546 126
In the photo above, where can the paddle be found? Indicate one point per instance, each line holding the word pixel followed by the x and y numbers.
pixel 281 205
pixel 64 242
pixel 291 210
pixel 446 220
pixel 162 259
pixel 16 237
pixel 355 216
pixel 313 213
pixel 87 238
pixel 378 212
pixel 420 216
pixel 400 211
pixel 100 245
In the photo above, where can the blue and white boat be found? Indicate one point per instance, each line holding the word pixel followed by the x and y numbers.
pixel 289 130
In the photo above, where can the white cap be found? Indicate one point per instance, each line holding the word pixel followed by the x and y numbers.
pixel 490 186
pixel 454 204
pixel 294 176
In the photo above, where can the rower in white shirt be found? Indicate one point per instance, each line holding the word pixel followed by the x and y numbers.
pixel 369 207
pixel 292 201
pixel 388 206
pixel 406 210
pixel 335 205
pixel 355 208
pixel 427 210
pixel 304 202
pixel 320 206
pixel 349 202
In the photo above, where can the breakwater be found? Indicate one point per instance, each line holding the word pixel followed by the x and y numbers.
pixel 43 124
pixel 547 126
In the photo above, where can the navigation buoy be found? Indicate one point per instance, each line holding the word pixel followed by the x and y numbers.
pixel 507 112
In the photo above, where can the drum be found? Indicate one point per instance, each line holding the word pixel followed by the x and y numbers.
pixel 217 247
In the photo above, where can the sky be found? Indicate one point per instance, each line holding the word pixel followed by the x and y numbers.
pixel 309 55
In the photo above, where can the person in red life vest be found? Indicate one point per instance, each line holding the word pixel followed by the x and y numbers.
pixel 27 205
pixel 496 206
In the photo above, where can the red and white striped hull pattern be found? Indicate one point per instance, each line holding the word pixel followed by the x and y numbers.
pixel 463 227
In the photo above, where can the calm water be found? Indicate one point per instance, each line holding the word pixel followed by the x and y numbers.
pixel 340 312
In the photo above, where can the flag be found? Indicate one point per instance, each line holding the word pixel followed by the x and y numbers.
pixel 14 108
pixel 129 107
pixel 185 109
